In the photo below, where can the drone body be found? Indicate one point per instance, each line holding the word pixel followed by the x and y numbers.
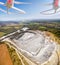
pixel 10 4
pixel 56 4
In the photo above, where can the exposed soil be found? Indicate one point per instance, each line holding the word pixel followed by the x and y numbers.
pixel 4 55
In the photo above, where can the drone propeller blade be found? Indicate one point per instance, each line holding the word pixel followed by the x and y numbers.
pixel 4 11
pixel 48 12
pixel 58 10
pixel 21 11
pixel 2 3
pixel 48 4
pixel 16 2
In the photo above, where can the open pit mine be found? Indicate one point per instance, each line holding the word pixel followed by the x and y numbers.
pixel 36 47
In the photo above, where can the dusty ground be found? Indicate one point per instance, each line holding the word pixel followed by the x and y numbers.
pixel 56 39
pixel 4 55
pixel 53 37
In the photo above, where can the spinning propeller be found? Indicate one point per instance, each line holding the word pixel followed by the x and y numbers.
pixel 53 10
pixel 10 4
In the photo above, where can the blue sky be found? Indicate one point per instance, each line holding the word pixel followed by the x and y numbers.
pixel 32 11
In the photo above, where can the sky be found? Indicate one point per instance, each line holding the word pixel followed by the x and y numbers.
pixel 32 11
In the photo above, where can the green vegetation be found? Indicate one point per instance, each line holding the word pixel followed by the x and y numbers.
pixel 4 30
pixel 51 27
pixel 45 27
pixel 24 61
pixel 2 34
pixel 14 56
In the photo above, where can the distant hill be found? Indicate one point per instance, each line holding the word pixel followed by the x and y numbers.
pixel 8 22
pixel 48 21
pixel 29 21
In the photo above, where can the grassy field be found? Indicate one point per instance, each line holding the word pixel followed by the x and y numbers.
pixel 51 27
pixel 2 34
pixel 4 30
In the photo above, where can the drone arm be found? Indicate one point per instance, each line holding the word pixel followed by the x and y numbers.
pixel 21 11
pixel 47 4
pixel 16 2
pixel 44 12
pixel 2 3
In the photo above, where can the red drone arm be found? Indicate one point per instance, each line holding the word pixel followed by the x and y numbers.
pixel 56 3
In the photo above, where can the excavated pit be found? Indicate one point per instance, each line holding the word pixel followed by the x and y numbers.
pixel 37 46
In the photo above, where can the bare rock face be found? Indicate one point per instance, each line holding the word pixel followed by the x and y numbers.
pixel 55 57
pixel 58 51
pixel 39 48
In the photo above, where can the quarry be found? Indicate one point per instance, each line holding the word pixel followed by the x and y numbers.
pixel 36 46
